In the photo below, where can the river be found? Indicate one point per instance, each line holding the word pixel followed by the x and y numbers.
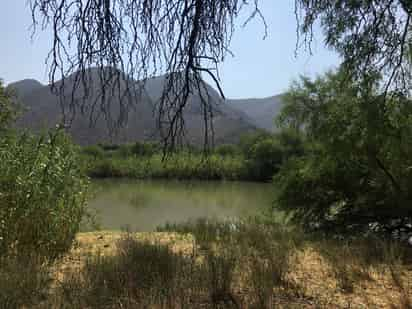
pixel 143 205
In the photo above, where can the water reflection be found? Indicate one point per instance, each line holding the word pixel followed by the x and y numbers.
pixel 143 205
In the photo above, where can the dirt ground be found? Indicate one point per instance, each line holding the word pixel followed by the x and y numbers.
pixel 310 274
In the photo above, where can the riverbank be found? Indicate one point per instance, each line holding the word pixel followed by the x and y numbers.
pixel 177 166
pixel 257 157
pixel 110 269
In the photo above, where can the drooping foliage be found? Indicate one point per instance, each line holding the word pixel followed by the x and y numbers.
pixel 357 169
pixel 372 36
pixel 187 40
pixel 130 40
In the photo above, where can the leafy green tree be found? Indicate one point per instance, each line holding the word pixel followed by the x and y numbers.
pixel 249 139
pixel 265 152
pixel 356 170
pixel 227 150
pixel 265 158
pixel 292 143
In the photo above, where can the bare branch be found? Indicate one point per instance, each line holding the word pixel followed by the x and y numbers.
pixel 134 40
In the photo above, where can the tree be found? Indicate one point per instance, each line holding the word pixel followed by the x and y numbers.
pixel 131 40
pixel 356 170
pixel 187 39
pixel 372 36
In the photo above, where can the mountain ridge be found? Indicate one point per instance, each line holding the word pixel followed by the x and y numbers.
pixel 43 111
pixel 261 110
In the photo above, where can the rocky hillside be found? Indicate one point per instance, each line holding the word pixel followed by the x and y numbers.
pixel 90 126
pixel 261 111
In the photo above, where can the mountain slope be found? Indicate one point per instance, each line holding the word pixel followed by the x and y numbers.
pixel 261 111
pixel 42 111
pixel 25 86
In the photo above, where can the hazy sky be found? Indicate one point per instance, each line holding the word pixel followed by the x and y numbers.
pixel 259 68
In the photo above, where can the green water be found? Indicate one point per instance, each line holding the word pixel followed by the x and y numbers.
pixel 143 205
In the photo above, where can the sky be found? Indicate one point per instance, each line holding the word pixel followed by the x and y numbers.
pixel 259 68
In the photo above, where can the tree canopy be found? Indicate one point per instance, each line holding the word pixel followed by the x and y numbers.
pixel 139 39
pixel 372 36
pixel 188 39
pixel 356 171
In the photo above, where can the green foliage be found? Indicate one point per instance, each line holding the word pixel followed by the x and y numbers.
pixel 370 36
pixel 356 170
pixel 145 148
pixel 42 195
pixel 265 153
pixel 180 165
pixel 227 150
pixel 108 147
pixel 8 108
pixel 258 157
pixel 248 140
pixel 264 158
pixel 94 151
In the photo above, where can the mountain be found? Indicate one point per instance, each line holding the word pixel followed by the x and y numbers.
pixel 261 111
pixel 89 126
pixel 25 86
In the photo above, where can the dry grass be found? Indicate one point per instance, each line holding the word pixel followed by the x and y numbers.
pixel 246 268
pixel 310 280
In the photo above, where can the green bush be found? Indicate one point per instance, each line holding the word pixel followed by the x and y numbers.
pixel 180 165
pixel 8 107
pixel 108 147
pixel 264 159
pixel 42 195
pixel 94 151
pixel 258 157
pixel 145 148
pixel 355 175
pixel 227 150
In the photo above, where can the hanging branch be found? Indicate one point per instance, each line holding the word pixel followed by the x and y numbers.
pixel 372 37
pixel 134 40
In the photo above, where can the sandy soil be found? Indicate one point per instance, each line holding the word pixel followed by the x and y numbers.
pixel 312 275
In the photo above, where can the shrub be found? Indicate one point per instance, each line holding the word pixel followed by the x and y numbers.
pixel 8 107
pixel 42 195
pixel 227 150
pixel 95 151
pixel 145 148
pixel 264 158
pixel 108 147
